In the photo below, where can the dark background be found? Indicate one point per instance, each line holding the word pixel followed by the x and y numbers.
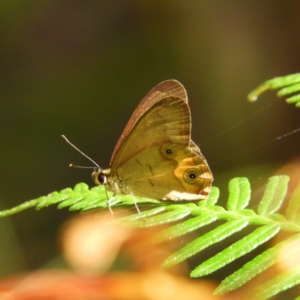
pixel 80 68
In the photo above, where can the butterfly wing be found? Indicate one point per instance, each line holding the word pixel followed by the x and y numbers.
pixel 168 172
pixel 166 122
pixel 165 89
pixel 141 167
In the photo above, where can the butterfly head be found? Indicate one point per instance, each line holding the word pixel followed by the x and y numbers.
pixel 99 176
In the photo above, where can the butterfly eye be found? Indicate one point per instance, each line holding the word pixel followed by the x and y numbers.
pixel 168 151
pixel 102 178
pixel 191 175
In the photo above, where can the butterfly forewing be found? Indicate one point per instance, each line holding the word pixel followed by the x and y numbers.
pixel 166 122
pixel 165 89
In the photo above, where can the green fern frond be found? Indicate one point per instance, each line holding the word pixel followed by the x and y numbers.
pixel 236 217
pixel 287 84
pixel 80 198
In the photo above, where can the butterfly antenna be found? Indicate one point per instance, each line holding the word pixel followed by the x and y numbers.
pixel 81 167
pixel 71 165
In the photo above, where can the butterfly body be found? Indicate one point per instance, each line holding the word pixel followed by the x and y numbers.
pixel 155 156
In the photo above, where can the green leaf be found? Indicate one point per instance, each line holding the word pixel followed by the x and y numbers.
pixel 259 264
pixel 184 227
pixel 216 235
pixel 274 195
pixel 293 210
pixel 288 90
pixel 239 193
pixel 278 284
pixel 212 198
pixel 236 250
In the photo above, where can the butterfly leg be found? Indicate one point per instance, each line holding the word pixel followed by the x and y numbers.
pixel 135 204
pixel 109 207
pixel 107 201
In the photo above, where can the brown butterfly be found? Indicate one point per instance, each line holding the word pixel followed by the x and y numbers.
pixel 155 156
